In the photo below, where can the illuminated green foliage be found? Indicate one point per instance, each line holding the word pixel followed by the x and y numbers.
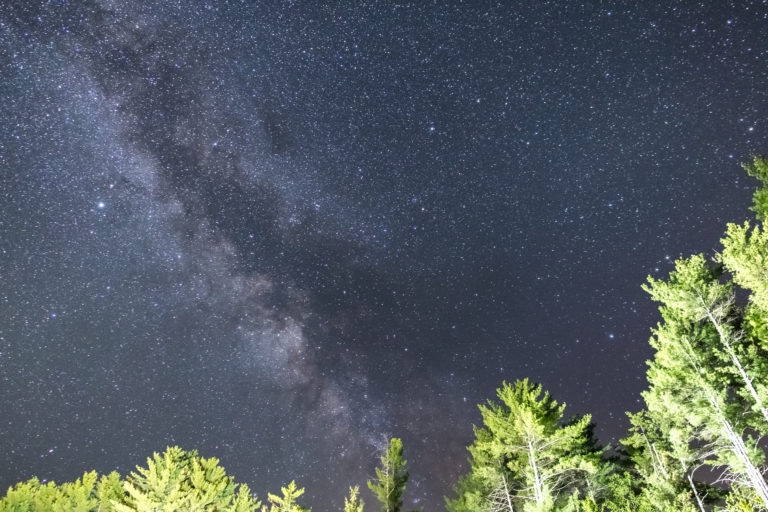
pixel 758 168
pixel 527 457
pixel 391 477
pixel 287 502
pixel 353 503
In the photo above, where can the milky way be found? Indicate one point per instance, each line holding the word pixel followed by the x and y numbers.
pixel 279 233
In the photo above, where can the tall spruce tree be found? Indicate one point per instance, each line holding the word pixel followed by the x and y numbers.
pixel 526 458
pixel 391 477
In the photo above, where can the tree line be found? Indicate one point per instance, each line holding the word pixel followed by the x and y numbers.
pixel 182 481
pixel 697 446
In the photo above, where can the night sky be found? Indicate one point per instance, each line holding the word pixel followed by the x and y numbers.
pixel 279 233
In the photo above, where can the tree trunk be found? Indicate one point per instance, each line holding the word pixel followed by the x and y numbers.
pixel 506 494
pixel 753 475
pixel 537 484
pixel 736 362
pixel 695 493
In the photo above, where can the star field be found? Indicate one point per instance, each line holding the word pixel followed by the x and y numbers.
pixel 279 232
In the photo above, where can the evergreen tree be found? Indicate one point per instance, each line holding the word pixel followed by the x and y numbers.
pixel 286 502
pixel 78 496
pixel 32 496
pixel 624 494
pixel 182 481
pixel 745 255
pixel 699 382
pixel 391 477
pixel 29 496
pixel 527 459
pixel 694 299
pixel 243 501
pixel 758 168
pixel 661 468
pixel 110 491
pixel 176 481
pixel 159 486
pixel 353 503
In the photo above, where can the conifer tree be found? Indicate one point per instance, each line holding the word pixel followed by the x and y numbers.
pixel 663 468
pixel 353 503
pixel 699 381
pixel 110 491
pixel 745 256
pixel 391 477
pixel 243 501
pixel 694 298
pixel 78 496
pixel 18 496
pixel 527 459
pixel 29 496
pixel 159 486
pixel 758 169
pixel 182 481
pixel 176 481
pixel 624 494
pixel 32 496
pixel 287 502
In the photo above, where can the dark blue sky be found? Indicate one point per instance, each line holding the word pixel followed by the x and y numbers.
pixel 279 232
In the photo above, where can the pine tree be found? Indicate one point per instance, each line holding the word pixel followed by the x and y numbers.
pixel 182 481
pixel 32 496
pixel 78 496
pixel 699 381
pixel 693 297
pixel 527 459
pixel 624 494
pixel 661 467
pixel 745 256
pixel 159 486
pixel 353 503
pixel 243 501
pixel 27 496
pixel 758 169
pixel 391 477
pixel 110 491
pixel 286 502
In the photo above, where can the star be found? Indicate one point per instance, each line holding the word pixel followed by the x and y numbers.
pixel 271 180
